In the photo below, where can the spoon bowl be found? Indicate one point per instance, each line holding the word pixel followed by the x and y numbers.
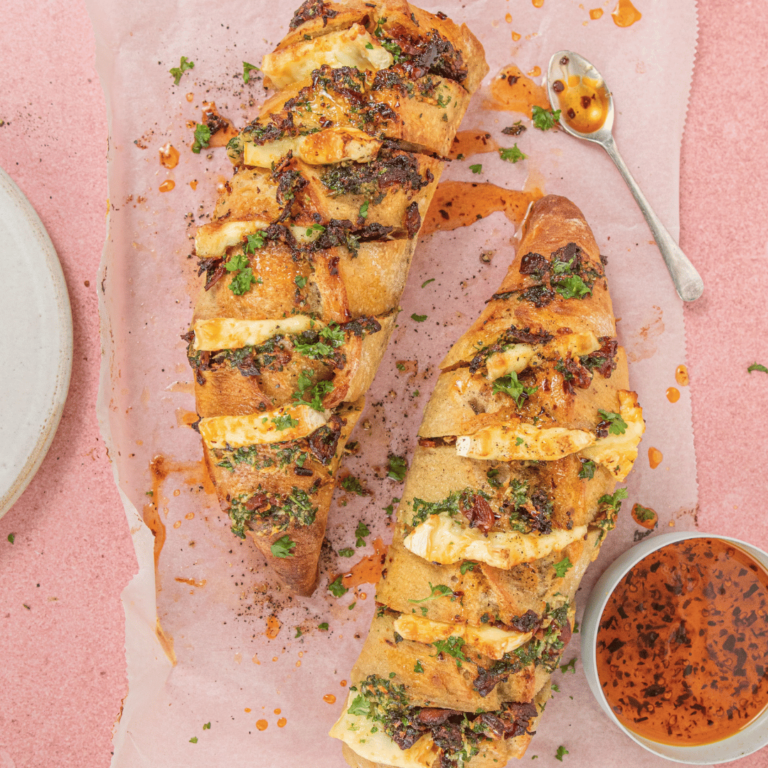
pixel 587 112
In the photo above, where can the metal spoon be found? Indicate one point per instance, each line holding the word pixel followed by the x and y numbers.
pixel 563 64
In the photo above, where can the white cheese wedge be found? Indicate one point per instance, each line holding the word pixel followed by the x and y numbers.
pixel 514 359
pixel 356 731
pixel 617 453
pixel 354 47
pixel 519 356
pixel 490 641
pixel 259 428
pixel 440 539
pixel 333 145
pixel 523 442
pixel 226 333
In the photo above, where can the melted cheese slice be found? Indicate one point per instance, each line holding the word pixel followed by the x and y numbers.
pixel 617 453
pixel 354 47
pixel 226 333
pixel 333 145
pixel 440 539
pixel 213 239
pixel 490 641
pixel 356 732
pixel 518 357
pixel 523 442
pixel 258 428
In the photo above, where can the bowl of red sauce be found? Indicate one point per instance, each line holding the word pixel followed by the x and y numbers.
pixel 675 646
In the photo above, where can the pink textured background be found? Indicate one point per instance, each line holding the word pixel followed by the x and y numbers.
pixel 63 667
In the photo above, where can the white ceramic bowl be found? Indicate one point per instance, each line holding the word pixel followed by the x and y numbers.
pixel 746 741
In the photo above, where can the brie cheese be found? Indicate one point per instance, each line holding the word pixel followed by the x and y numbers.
pixel 225 333
pixel 440 539
pixel 523 442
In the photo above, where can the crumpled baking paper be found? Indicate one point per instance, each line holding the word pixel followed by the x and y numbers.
pixel 197 649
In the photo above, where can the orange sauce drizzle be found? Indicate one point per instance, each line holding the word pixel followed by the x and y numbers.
pixel 169 155
pixel 262 725
pixel 655 457
pixel 625 14
pixel 281 722
pixel 516 36
pixel 645 516
pixel 343 683
pixel 538 3
pixel 468 143
pixel 329 698
pixel 681 375
pixel 673 394
pixel 512 91
pixel 167 185
pixel 535 72
pixel 462 203
pixel 368 569
pixel 192 582
pixel 273 627
pixel 193 184
pixel 508 18
pixel 225 133
pixel 278 711
pixel 190 96
pixel 584 102
pixel 596 13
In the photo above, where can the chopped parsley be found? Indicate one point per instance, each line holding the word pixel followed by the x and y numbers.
pixel 310 395
pixel 363 212
pixel 336 588
pixel 193 740
pixel 321 344
pixel 283 547
pixel 11 537
pixel 439 590
pixel 360 706
pixel 418 668
pixel 315 228
pixel 202 138
pixel 360 533
pixel 476 168
pixel 254 241
pixel 299 633
pixel 390 508
pixel 512 154
pixel 427 282
pixel 573 287
pixel 284 421
pixel 369 46
pixel 352 605
pixel 300 281
pixel 512 386
pixel 562 567
pixel 452 646
pixel 418 318
pixel 467 565
pixel 569 667
pixel 613 501
pixel 451 505
pixel 492 476
pixel 242 274
pixel 561 753
pixel 177 72
pixel 352 485
pixel 617 425
pixel 587 471
pixel 755 367
pixel 397 466
pixel 643 513
pixel 346 552
pixel 206 726
pixel 247 69
pixel 544 119
pixel 323 627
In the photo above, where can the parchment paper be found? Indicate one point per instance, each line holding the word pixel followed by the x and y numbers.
pixel 227 672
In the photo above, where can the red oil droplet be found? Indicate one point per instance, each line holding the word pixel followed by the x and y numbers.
pixel 262 725
pixel 681 375
pixel 278 711
pixel 273 627
pixel 595 14
pixel 167 185
pixel 281 722
pixel 329 698
pixel 193 184
pixel 673 394
pixel 538 3
pixel 169 155
pixel 190 96
pixel 655 457
pixel 343 683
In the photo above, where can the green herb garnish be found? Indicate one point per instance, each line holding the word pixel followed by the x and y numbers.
pixel 202 138
pixel 476 168
pixel 439 590
pixel 544 119
pixel 283 547
pixel 177 72
pixel 336 588
pixel 512 386
pixel 617 425
pixel 562 567
pixel 397 466
pixel 418 318
pixel 512 154
pixel 247 69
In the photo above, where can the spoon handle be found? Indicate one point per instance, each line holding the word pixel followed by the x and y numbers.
pixel 687 280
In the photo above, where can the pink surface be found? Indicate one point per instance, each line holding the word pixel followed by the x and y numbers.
pixel 63 663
